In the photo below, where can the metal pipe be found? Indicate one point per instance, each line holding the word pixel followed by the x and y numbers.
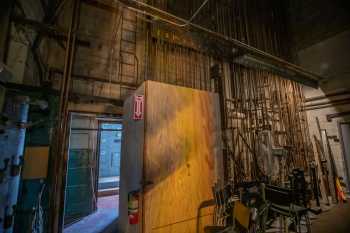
pixel 57 198
pixel 11 157
pixel 346 100
pixel 321 97
pixel 337 115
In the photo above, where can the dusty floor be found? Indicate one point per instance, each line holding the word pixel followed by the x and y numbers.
pixel 106 213
pixel 337 220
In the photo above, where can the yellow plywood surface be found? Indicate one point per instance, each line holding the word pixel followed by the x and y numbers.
pixel 182 149
pixel 35 162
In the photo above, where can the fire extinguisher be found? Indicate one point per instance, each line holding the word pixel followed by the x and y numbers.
pixel 133 207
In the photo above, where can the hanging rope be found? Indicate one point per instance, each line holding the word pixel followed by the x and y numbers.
pixel 38 219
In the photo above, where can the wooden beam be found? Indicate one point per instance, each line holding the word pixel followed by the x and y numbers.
pixel 95 79
pixel 82 43
pixel 101 5
pixel 50 31
pixel 74 97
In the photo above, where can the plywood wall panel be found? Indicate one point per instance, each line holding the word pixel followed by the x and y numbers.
pixel 181 154
pixel 178 146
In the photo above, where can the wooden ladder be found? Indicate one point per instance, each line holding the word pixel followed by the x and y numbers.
pixel 128 65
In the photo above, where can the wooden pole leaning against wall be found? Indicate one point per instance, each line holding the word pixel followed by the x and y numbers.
pixel 267 103
pixel 59 154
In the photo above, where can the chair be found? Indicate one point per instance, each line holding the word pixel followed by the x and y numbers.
pixel 282 204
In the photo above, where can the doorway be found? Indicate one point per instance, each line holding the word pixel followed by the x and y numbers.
pixel 109 158
pixel 93 169
pixel 344 128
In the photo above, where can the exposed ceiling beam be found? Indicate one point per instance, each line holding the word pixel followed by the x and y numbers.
pixel 50 91
pixel 48 30
pixel 36 24
pixel 60 37
pixel 96 79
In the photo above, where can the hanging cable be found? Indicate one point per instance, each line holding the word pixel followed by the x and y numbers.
pixel 195 14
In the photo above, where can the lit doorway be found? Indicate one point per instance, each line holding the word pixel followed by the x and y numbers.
pixel 92 183
pixel 109 158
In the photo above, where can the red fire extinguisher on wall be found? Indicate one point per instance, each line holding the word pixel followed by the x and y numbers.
pixel 133 207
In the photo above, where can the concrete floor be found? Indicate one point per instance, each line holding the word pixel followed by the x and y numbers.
pixel 106 214
pixel 336 220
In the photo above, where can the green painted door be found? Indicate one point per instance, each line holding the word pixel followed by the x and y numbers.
pixel 79 190
pixel 80 198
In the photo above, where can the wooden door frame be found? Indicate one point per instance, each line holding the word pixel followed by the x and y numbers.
pixel 66 164
pixel 62 202
pixel 346 160
pixel 64 175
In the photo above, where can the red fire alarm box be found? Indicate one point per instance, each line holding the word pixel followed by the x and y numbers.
pixel 133 207
pixel 139 103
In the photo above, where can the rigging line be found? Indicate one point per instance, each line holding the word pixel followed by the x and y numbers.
pixel 195 14
pixel 252 50
pixel 258 169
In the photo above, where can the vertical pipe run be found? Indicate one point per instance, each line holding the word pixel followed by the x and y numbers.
pixel 58 179
pixel 11 158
